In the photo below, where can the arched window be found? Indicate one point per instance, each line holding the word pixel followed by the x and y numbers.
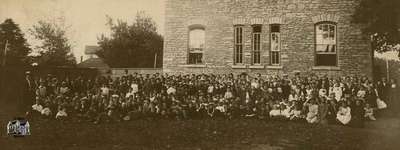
pixel 326 41
pixel 196 45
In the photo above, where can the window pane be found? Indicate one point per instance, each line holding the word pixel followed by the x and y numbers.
pixel 275 28
pixel 256 48
pixel 240 35
pixel 321 48
pixel 196 45
pixel 325 27
pixel 275 42
pixel 256 43
pixel 256 28
pixel 238 45
pixel 275 58
pixel 325 44
pixel 195 58
pixel 325 35
pixel 256 58
pixel 239 54
pixel 326 60
pixel 319 27
pixel 196 39
pixel 332 28
pixel 332 48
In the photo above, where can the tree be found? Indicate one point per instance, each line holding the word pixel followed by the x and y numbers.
pixel 132 45
pixel 53 48
pixel 382 23
pixel 17 47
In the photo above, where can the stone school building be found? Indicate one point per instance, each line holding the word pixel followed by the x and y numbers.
pixel 265 36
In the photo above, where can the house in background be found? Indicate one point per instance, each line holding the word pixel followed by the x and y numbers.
pixel 93 61
pixel 265 36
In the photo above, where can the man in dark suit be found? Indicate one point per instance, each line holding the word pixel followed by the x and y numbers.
pixel 28 92
pixel 382 88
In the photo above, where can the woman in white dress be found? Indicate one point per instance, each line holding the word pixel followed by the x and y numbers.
pixel 338 91
pixel 275 112
pixel 344 114
pixel 312 115
pixel 228 94
pixel 293 96
pixel 37 107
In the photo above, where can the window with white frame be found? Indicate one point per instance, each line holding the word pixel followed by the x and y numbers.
pixel 275 49
pixel 196 45
pixel 256 44
pixel 325 48
pixel 238 52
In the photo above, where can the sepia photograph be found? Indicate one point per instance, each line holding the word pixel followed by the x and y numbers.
pixel 199 74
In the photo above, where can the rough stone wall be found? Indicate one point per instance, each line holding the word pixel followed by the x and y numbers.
pixel 297 19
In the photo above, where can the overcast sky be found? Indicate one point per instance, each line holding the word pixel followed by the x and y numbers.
pixel 87 18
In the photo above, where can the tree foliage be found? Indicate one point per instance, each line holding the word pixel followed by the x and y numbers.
pixel 132 45
pixel 53 48
pixel 17 49
pixel 382 20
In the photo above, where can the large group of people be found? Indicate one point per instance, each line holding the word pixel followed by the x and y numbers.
pixel 349 100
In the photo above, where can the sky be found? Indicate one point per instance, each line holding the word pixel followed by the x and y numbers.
pixel 86 18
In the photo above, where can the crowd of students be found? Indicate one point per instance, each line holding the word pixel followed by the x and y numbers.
pixel 347 100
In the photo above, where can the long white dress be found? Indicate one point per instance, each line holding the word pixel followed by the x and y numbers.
pixel 338 93
pixel 61 113
pixel 293 97
pixel 228 95
pixel 275 113
pixel 344 115
pixel 37 107
pixel 46 111
pixel 312 114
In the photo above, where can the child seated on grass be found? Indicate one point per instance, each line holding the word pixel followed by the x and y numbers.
pixel 46 112
pixel 62 113
pixel 369 112
pixel 285 111
pixel 275 113
pixel 344 114
pixel 37 107
pixel 312 115
pixel 296 113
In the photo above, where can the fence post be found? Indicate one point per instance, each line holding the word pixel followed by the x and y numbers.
pixel 387 69
pixel 155 60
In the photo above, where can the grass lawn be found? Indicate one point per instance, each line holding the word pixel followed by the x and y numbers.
pixel 198 134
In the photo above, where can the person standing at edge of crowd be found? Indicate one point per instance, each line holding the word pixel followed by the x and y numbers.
pixel 28 91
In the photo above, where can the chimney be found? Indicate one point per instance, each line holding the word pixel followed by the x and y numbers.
pixel 81 59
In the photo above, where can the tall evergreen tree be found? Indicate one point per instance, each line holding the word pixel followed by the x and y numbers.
pixel 17 47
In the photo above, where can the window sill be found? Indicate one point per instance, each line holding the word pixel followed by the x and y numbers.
pixel 239 66
pixel 193 66
pixel 274 67
pixel 256 67
pixel 325 68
